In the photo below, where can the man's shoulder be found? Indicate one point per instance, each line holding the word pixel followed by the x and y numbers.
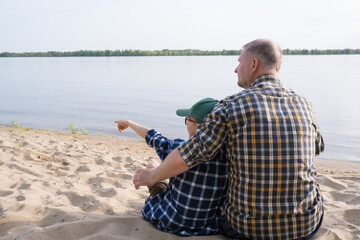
pixel 258 94
pixel 238 96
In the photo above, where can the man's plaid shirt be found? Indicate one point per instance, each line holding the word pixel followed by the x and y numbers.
pixel 191 203
pixel 272 137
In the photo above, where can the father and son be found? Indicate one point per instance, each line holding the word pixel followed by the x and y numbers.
pixel 247 169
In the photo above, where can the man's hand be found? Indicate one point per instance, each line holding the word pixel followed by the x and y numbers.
pixel 122 125
pixel 143 177
pixel 173 165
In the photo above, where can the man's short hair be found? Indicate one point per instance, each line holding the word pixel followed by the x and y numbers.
pixel 268 53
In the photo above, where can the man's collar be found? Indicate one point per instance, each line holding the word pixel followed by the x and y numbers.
pixel 265 77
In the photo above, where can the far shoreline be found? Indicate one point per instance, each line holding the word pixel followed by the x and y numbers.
pixel 171 52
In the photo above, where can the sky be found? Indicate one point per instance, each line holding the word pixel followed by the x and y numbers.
pixel 70 25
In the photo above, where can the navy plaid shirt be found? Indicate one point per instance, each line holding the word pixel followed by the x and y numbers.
pixel 272 137
pixel 190 205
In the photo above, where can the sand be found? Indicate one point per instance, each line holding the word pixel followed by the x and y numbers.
pixel 64 186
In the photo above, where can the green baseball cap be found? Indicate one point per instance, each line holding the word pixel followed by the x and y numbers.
pixel 199 110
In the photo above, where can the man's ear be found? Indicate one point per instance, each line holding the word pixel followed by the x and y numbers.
pixel 254 65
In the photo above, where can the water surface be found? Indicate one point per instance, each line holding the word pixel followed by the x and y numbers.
pixel 92 92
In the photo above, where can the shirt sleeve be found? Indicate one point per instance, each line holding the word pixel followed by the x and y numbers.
pixel 319 141
pixel 209 137
pixel 162 145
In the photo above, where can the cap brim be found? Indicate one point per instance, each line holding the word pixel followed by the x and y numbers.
pixel 183 112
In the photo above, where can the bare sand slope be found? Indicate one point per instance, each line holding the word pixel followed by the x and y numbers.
pixel 63 186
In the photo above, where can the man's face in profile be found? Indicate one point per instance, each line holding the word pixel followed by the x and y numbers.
pixel 242 70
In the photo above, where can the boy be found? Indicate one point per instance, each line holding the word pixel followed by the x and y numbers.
pixel 190 203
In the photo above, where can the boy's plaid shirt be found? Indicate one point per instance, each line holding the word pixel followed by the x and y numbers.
pixel 272 137
pixel 191 203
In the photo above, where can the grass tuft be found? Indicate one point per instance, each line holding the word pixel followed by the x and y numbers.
pixel 75 130
pixel 15 124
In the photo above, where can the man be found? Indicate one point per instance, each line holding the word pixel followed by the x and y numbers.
pixel 190 204
pixel 271 136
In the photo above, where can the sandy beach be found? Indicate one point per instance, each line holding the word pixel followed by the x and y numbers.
pixel 64 186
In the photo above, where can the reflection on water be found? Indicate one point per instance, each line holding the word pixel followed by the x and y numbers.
pixel 93 92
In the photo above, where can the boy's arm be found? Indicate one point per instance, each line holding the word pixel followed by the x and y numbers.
pixel 139 129
pixel 162 145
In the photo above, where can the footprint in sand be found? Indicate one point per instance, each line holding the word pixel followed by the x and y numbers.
pixel 100 161
pixel 27 156
pixel 83 169
pixel 85 203
pixel 59 173
pixel 117 159
pixel 110 192
pixel 65 168
pixel 118 166
pixel 54 216
pixel 65 162
pixel 120 175
pixel 20 198
pixel 95 183
pixel 24 186
pixel 4 193
pixel 352 216
pixel 25 170
pixel 106 209
pixel 355 201
pixel 68 184
pixel 342 197
pixel 330 182
pixel 129 160
pixel 57 153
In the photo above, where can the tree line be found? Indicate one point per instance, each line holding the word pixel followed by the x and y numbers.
pixel 168 52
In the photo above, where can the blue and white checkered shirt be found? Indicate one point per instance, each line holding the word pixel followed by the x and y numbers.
pixel 190 205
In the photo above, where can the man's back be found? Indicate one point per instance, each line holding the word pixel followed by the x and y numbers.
pixel 272 137
pixel 273 134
